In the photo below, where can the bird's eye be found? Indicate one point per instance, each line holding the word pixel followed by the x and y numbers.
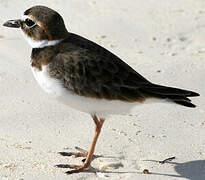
pixel 29 23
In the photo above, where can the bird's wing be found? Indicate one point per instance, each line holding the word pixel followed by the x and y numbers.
pixel 90 70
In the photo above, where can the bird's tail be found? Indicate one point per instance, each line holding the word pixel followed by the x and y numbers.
pixel 179 96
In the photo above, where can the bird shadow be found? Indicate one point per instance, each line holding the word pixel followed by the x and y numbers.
pixel 192 170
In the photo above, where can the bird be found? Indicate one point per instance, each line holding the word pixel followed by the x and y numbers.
pixel 85 76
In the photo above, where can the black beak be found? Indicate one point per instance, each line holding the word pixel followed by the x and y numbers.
pixel 13 23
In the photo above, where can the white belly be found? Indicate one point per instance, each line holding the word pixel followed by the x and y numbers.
pixel 101 107
pixel 86 104
pixel 50 85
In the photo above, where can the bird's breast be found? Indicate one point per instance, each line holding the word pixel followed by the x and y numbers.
pixel 48 84
pixel 55 88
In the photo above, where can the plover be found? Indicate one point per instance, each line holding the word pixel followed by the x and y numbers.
pixel 84 75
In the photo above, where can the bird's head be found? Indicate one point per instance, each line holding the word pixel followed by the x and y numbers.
pixel 41 26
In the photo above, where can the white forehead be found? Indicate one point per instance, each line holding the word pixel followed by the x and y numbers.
pixel 24 17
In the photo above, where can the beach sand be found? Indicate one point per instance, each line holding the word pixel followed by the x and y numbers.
pixel 163 40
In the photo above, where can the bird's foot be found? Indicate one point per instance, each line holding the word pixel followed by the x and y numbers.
pixel 76 168
pixel 81 153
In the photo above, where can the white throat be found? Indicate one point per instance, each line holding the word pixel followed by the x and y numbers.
pixel 40 44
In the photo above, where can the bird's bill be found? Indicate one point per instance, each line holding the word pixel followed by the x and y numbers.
pixel 13 23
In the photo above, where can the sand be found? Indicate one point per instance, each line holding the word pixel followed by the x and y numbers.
pixel 163 40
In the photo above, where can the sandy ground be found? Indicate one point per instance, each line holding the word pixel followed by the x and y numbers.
pixel 163 40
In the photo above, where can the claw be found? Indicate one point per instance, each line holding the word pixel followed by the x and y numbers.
pixel 77 169
pixel 74 171
pixel 76 154
pixel 62 165
pixel 80 149
pixel 71 166
pixel 65 153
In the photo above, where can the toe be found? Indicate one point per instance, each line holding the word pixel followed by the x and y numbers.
pixel 62 165
pixel 65 153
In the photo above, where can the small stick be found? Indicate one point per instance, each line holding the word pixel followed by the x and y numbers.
pixel 168 159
